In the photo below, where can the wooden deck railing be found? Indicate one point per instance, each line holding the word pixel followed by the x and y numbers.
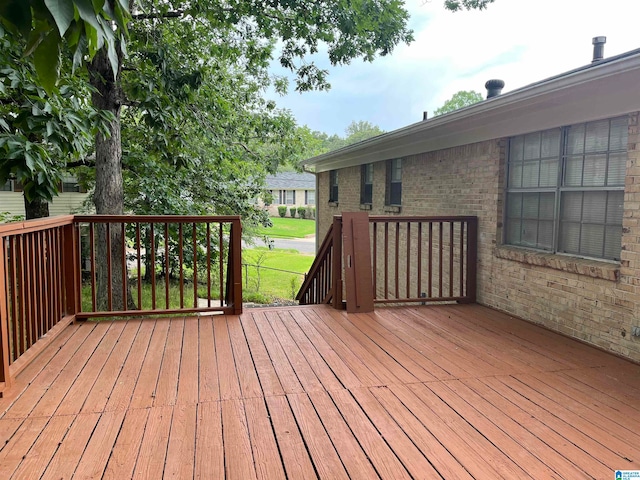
pixel 56 270
pixel 414 259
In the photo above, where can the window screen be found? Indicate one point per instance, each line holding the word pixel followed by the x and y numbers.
pixel 333 186
pixel 565 189
pixel 393 194
pixel 366 188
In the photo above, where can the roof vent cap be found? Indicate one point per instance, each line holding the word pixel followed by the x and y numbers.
pixel 598 48
pixel 494 87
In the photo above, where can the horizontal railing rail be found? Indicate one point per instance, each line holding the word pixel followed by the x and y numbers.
pixel 56 270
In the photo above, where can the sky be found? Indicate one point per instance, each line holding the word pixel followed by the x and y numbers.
pixel 518 41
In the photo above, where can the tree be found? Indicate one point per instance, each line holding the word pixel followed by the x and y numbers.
pixel 359 131
pixel 461 99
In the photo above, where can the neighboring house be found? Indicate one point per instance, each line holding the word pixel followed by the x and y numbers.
pixel 291 189
pixel 70 199
pixel 551 170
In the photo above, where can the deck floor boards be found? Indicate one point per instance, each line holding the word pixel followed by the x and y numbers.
pixel 450 391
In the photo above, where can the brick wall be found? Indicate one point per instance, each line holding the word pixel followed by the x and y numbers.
pixel 597 302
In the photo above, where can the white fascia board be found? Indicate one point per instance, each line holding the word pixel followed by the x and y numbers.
pixel 589 94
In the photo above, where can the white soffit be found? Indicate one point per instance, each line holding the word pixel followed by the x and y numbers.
pixel 600 91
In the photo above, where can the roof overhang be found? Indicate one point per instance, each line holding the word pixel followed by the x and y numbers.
pixel 597 91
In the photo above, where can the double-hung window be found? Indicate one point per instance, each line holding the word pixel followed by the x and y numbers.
pixel 289 197
pixel 333 186
pixel 366 185
pixel 565 189
pixel 393 191
pixel 309 197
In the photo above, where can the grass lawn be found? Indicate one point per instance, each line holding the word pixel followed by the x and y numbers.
pixel 289 228
pixel 274 283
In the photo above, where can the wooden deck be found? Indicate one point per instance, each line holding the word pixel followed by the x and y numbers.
pixel 449 392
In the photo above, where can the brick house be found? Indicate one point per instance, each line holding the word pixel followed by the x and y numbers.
pixel 291 189
pixel 551 170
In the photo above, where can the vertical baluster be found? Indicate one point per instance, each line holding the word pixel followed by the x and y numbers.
pixel 396 262
pixel 31 296
pixel 208 265
pixel 419 294
pixel 181 260
pixel 139 262
pixel 220 261
pixel 194 240
pixel 451 259
pixel 92 261
pixel 375 259
pixel 166 266
pixel 13 298
pixel 440 259
pixel 386 260
pixel 461 286
pixel 22 294
pixel 408 291
pixel 153 265
pixel 430 259
pixel 124 277
pixel 109 268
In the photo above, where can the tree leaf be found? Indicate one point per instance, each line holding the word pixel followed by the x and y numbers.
pixel 87 13
pixel 46 59
pixel 62 12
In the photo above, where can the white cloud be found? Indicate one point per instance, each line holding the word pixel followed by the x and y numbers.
pixel 518 41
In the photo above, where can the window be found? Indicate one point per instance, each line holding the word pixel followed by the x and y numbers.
pixel 6 187
pixel 70 187
pixel 289 197
pixel 393 193
pixel 366 187
pixel 565 189
pixel 333 186
pixel 309 197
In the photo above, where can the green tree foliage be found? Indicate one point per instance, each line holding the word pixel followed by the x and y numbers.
pixel 456 5
pixel 40 133
pixel 84 26
pixel 359 131
pixel 317 143
pixel 461 99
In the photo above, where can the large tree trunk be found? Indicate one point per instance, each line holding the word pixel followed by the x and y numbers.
pixel 109 195
pixel 38 208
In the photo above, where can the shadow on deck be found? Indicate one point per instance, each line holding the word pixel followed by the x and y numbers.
pixel 417 392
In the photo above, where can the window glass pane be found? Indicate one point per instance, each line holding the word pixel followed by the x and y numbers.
pixel 617 168
pixel 368 173
pixel 549 173
pixel 592 240
pixel 547 206
pixel 6 187
pixel 530 174
pixel 513 231
pixel 545 234
pixel 532 146
pixel 570 237
pixel 575 140
pixel 550 143
pixel 597 136
pixel 515 175
pixel 573 172
pixel 612 242
pixel 615 208
pixel 516 148
pixel 396 170
pixel 594 206
pixel 594 170
pixel 618 136
pixel 514 205
pixel 530 205
pixel 571 208
pixel 529 233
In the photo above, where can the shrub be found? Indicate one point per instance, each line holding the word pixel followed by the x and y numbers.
pixel 302 212
pixel 293 212
pixel 313 212
pixel 310 212
pixel 282 210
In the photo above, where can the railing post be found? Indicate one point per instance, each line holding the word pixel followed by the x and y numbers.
pixel 5 376
pixel 336 268
pixel 472 259
pixel 70 269
pixel 236 266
